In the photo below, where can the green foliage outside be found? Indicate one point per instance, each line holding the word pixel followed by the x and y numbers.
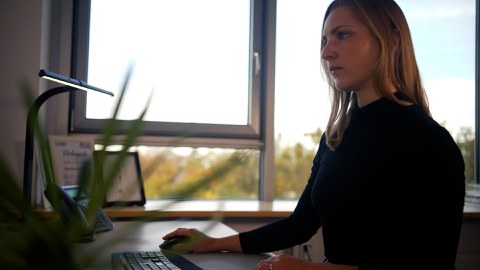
pixel 166 172
pixel 466 142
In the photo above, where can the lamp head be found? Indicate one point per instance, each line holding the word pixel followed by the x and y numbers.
pixel 71 82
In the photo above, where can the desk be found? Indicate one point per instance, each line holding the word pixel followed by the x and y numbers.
pixel 146 236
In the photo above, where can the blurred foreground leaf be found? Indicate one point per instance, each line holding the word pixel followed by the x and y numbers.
pixel 30 242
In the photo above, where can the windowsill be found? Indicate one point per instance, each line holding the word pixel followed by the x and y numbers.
pixel 205 209
pixel 472 201
pixel 471 210
pixel 158 209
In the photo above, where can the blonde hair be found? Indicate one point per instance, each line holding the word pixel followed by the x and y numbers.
pixel 396 64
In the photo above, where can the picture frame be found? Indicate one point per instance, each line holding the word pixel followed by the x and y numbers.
pixel 127 187
pixel 69 155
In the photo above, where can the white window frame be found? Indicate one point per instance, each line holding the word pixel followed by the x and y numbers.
pixel 257 134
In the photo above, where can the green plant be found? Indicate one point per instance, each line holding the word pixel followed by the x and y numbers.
pixel 28 241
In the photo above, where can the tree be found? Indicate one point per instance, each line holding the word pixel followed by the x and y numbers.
pixel 466 142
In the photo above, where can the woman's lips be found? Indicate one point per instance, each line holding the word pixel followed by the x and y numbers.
pixel 335 70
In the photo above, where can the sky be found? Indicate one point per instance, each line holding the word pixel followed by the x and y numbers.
pixel 443 32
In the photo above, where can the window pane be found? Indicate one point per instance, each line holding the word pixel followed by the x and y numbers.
pixel 445 54
pixel 170 171
pixel 301 95
pixel 193 54
pixel 443 33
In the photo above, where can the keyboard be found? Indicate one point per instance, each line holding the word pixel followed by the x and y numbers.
pixel 151 260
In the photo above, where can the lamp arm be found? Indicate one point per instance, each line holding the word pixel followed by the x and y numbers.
pixel 29 137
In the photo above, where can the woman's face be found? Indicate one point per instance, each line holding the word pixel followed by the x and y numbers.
pixel 350 51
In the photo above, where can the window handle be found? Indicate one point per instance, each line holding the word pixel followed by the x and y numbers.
pixel 256 60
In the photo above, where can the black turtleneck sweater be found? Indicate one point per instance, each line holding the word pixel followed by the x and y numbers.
pixel 389 197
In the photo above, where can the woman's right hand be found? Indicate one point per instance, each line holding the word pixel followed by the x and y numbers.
pixel 197 241
pixel 200 242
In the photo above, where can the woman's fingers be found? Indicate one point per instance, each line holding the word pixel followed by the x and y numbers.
pixel 181 232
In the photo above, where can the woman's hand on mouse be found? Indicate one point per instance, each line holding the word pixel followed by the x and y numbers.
pixel 200 242
pixel 197 241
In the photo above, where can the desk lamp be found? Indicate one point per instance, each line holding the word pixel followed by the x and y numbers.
pixel 69 85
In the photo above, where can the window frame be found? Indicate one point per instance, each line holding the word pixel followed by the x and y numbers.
pixel 257 134
pixel 476 151
pixel 252 130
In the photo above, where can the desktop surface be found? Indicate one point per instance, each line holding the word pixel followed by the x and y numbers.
pixel 146 236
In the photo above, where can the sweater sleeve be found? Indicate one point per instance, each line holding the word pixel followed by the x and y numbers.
pixel 287 232
pixel 440 199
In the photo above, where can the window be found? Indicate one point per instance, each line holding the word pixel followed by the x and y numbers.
pixel 444 55
pixel 263 93
pixel 193 58
pixel 302 101
pixel 205 62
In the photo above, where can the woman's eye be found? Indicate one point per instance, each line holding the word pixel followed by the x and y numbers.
pixel 342 35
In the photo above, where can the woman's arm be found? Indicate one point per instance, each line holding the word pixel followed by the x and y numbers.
pixel 200 242
pixel 293 230
pixel 304 222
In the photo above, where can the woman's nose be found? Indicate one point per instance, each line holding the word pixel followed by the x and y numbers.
pixel 327 52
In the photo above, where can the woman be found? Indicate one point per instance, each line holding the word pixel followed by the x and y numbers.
pixel 387 183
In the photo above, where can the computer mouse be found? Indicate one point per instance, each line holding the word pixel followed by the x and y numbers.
pixel 169 243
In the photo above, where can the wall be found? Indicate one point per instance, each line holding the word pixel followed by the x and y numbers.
pixel 20 48
pixel 468 257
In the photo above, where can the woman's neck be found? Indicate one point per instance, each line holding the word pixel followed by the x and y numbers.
pixel 365 98
pixel 368 95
